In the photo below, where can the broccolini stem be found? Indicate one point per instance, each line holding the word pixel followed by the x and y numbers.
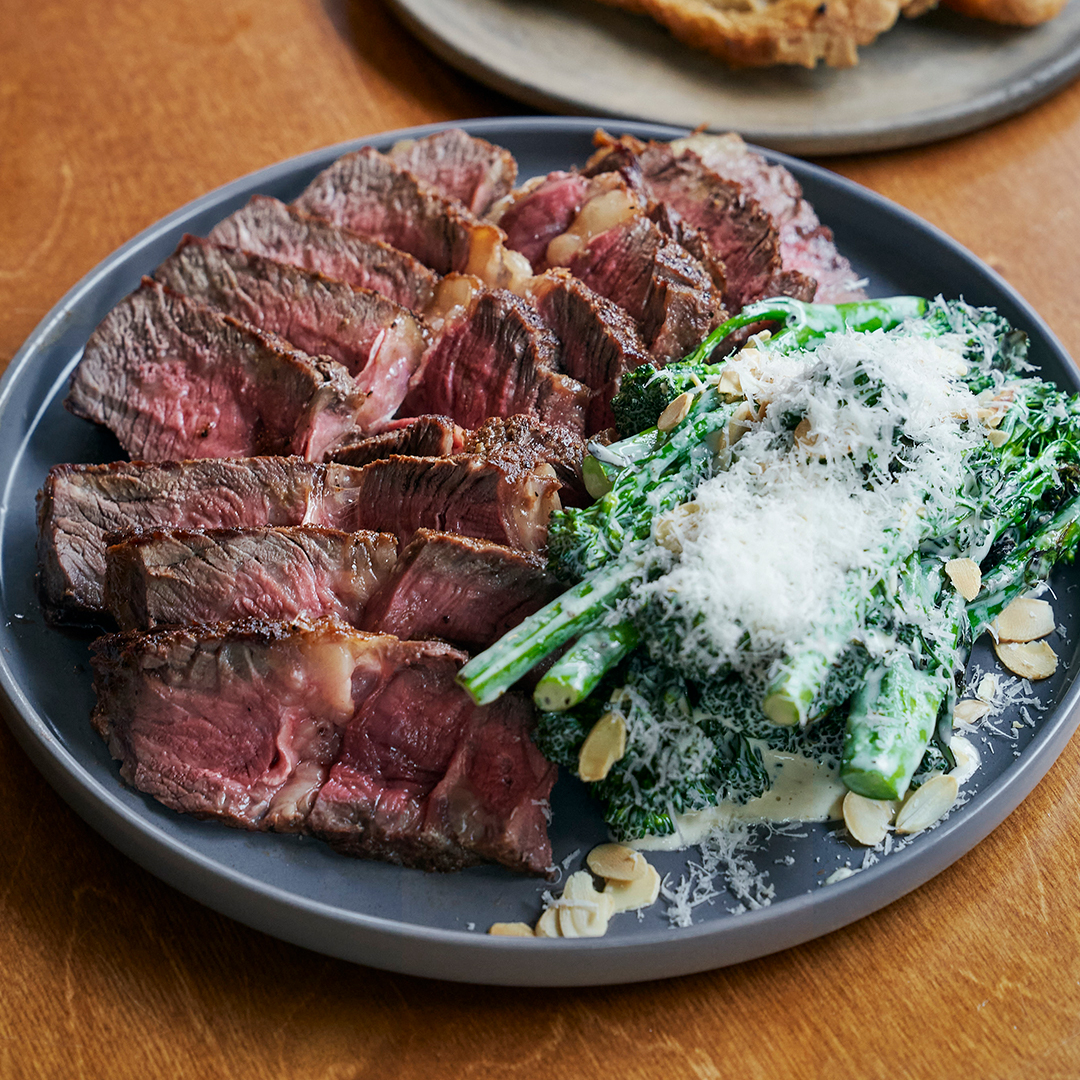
pixel 891 720
pixel 575 675
pixel 490 674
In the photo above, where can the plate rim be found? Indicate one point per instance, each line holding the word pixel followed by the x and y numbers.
pixel 464 955
pixel 911 129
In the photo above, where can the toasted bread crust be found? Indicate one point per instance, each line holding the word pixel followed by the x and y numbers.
pixel 800 32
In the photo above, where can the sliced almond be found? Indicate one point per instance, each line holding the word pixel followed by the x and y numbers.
pixel 677 525
pixel 548 926
pixel 866 819
pixel 511 929
pixel 997 437
pixel 965 576
pixel 802 434
pixel 970 711
pixel 616 862
pixel 675 413
pixel 927 804
pixel 605 745
pixel 584 912
pixel 730 386
pixel 634 895
pixel 1024 619
pixel 1032 660
pixel 987 688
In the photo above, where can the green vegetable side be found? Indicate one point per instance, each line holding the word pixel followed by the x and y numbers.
pixel 845 643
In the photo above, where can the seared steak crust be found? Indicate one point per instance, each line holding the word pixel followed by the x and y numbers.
pixel 172 378
pixel 361 739
pixel 269 228
pixel 421 436
pixel 276 574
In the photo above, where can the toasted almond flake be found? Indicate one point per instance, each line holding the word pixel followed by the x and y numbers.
pixel 926 804
pixel 970 710
pixel 675 413
pixel 634 895
pixel 1025 619
pixel 605 745
pixel 511 929
pixel 997 437
pixel 966 576
pixel 802 433
pixel 1032 660
pixel 987 688
pixel 730 386
pixel 616 862
pixel 866 819
pixel 548 926
pixel 584 912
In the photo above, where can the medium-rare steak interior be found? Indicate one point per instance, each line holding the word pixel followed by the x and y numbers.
pixel 350 420
pixel 361 739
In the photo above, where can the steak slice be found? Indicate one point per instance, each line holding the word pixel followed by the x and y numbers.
pixel 459 166
pixel 378 341
pixel 317 314
pixel 275 574
pixel 495 357
pixel 462 494
pixel 81 507
pixel 368 193
pixel 805 244
pixel 172 378
pixel 275 231
pixel 359 738
pixel 466 591
pixel 738 229
pixel 542 210
pixel 655 280
pixel 599 339
pixel 421 436
pixel 522 444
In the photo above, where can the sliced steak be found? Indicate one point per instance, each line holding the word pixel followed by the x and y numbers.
pixel 737 227
pixel 805 244
pixel 599 339
pixel 269 228
pixel 459 166
pixel 656 281
pixel 275 574
pixel 368 193
pixel 521 444
pixel 361 739
pixel 81 506
pixel 462 494
pixel 542 210
pixel 421 436
pixel 317 314
pixel 495 357
pixel 466 591
pixel 172 378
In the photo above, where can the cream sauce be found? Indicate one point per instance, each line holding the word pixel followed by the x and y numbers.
pixel 802 790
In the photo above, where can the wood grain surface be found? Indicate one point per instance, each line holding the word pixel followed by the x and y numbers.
pixel 112 115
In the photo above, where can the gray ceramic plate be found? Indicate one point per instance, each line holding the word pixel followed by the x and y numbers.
pixel 925 79
pixel 406 920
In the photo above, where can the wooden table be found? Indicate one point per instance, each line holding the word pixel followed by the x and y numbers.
pixel 112 115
